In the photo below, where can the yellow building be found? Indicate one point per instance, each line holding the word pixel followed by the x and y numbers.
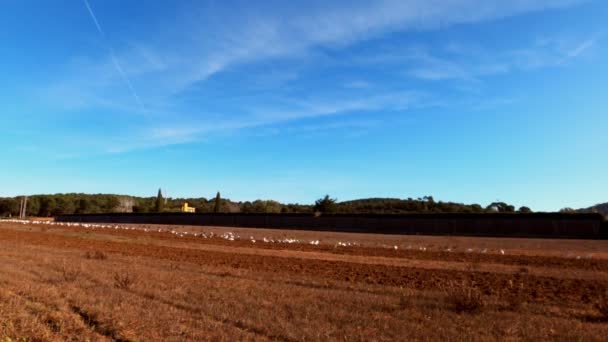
pixel 188 209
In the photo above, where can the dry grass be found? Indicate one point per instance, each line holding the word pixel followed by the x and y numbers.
pixel 70 273
pixel 514 295
pixel 406 298
pixel 95 255
pixel 50 292
pixel 464 298
pixel 602 306
pixel 123 281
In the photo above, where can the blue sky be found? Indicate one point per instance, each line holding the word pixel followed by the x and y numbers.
pixel 466 100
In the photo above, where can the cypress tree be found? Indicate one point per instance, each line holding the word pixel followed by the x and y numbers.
pixel 160 202
pixel 218 200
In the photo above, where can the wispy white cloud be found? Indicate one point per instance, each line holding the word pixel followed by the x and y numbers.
pixel 206 42
pixel 256 36
pixel 359 84
pixel 581 48
pixel 168 132
pixel 253 34
pixel 349 129
pixel 310 109
pixel 468 66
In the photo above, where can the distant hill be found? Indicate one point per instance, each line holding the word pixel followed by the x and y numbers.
pixel 421 205
pixel 599 208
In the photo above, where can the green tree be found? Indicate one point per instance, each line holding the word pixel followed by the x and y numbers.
pixel 326 205
pixel 501 207
pixel 33 206
pixel 525 210
pixel 8 207
pixel 63 206
pixel 84 206
pixel 160 202
pixel 258 206
pixel 247 207
pixel 262 206
pixel 218 203
pixel 112 203
pixel 47 206
pixel 273 207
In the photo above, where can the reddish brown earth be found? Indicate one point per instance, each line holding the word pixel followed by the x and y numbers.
pixel 215 288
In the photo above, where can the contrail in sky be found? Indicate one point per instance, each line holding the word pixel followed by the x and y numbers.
pixel 117 66
pixel 93 16
pixel 125 78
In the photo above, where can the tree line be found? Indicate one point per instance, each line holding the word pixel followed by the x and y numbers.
pixel 67 204
pixel 425 204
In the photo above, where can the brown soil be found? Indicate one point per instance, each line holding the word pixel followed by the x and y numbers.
pixel 286 281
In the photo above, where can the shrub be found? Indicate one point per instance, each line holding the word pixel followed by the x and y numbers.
pixel 69 274
pixel 96 255
pixel 464 298
pixel 123 281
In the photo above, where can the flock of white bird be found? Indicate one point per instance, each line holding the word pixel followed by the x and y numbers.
pixel 230 236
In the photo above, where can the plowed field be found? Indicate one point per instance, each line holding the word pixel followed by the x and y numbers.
pixel 75 283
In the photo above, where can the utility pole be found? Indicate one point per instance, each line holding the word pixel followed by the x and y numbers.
pixel 23 208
